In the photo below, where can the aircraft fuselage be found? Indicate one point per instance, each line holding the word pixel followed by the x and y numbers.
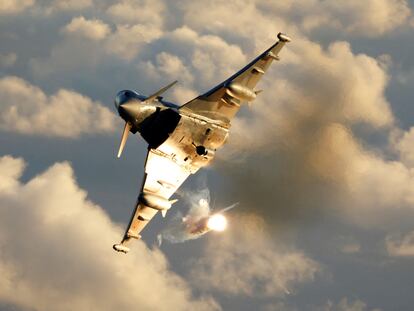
pixel 186 138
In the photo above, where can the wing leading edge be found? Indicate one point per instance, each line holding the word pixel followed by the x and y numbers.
pixel 223 101
pixel 163 176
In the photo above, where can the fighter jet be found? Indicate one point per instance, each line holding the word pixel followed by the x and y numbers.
pixel 183 139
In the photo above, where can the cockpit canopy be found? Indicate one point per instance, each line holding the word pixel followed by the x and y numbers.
pixel 126 95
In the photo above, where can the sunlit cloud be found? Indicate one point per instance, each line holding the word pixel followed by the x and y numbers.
pixel 26 109
pixel 14 6
pixel 92 29
pixel 246 261
pixel 56 251
pixel 400 245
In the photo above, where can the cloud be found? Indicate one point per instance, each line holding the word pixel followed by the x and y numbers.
pixel 26 109
pixel 171 66
pixel 400 246
pixel 315 141
pixel 405 146
pixel 353 92
pixel 345 305
pixel 14 6
pixel 334 171
pixel 92 29
pixel 353 85
pixel 217 17
pixel 78 55
pixel 262 19
pixel 72 5
pixel 191 57
pixel 371 18
pixel 244 261
pixel 125 12
pixel 127 40
pixel 292 127
pixel 341 157
pixel 182 94
pixel 56 251
pixel 11 170
pixel 301 139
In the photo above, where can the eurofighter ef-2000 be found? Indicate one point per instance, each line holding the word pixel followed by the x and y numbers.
pixel 182 139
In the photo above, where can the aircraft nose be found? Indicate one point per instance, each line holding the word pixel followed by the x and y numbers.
pixel 119 99
pixel 128 110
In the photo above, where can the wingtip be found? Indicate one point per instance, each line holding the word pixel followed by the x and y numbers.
pixel 283 37
pixel 120 248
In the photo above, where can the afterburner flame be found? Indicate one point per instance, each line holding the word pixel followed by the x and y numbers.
pixel 217 222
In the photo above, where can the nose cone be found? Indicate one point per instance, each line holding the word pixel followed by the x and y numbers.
pixel 127 103
pixel 129 110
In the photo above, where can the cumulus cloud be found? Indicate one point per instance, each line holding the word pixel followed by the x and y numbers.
pixel 262 19
pixel 14 6
pixel 245 261
pixel 72 5
pixel 26 109
pixel 341 157
pixel 126 41
pixel 181 94
pixel 400 246
pixel 405 146
pixel 93 29
pixel 368 18
pixel 91 43
pixel 218 17
pixel 353 92
pixel 137 12
pixel 56 251
pixel 172 67
pixel 204 59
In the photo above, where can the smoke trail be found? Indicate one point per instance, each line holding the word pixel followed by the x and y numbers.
pixel 198 204
pixel 177 229
pixel 306 158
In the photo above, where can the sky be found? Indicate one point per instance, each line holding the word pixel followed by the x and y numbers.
pixel 321 163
